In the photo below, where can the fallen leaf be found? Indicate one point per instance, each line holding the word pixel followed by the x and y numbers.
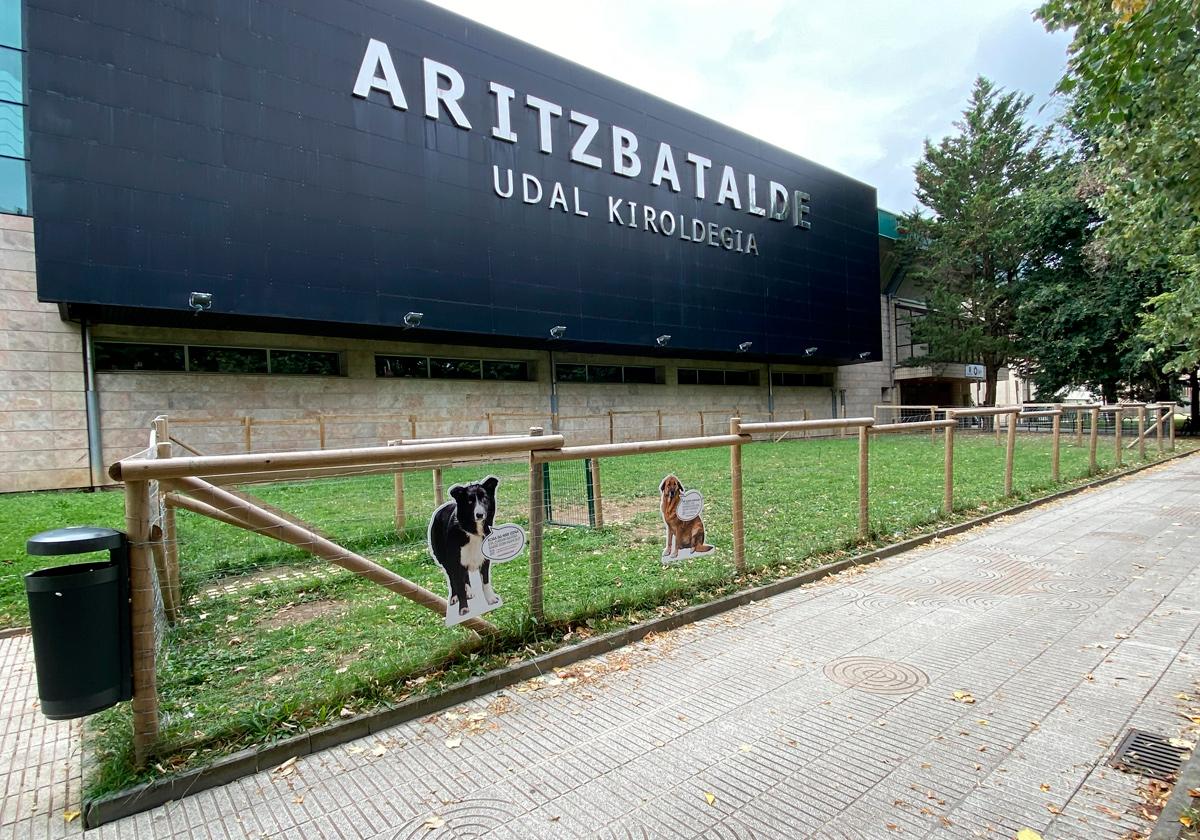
pixel 964 697
pixel 434 822
pixel 746 748
pixel 892 827
pixel 454 743
pixel 1193 792
pixel 70 816
pixel 379 751
pixel 355 750
pixel 1186 820
pixel 1053 809
pixel 1028 834
pixel 1045 787
pixel 982 722
pixel 345 712
pixel 709 798
pixel 287 768
pixel 299 800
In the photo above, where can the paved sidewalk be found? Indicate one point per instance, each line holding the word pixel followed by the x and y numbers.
pixel 828 712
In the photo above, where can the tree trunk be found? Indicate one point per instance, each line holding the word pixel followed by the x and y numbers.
pixel 1108 392
pixel 1192 377
pixel 989 390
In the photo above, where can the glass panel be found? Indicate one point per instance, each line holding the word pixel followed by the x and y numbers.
pixel 687 376
pixel 410 367
pixel 12 130
pixel 741 377
pixel 227 360
pixel 710 377
pixel 777 379
pixel 641 375
pixel 12 76
pixel 604 373
pixel 10 23
pixel 570 373
pixel 507 371
pixel 14 194
pixel 454 368
pixel 119 356
pixel 305 362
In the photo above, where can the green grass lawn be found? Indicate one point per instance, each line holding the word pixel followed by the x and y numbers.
pixel 273 658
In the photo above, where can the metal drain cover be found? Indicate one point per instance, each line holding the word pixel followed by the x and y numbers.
pixel 1148 755
pixel 876 676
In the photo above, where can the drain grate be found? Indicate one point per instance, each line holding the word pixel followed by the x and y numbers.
pixel 1148 755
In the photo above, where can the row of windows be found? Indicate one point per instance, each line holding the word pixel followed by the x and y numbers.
pixel 709 376
pixel 190 358
pixel 432 367
pixel 635 374
pixel 14 187
pixel 178 358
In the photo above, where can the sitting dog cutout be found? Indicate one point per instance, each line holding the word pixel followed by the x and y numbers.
pixel 465 541
pixel 681 514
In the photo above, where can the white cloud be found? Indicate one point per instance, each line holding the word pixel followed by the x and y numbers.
pixel 856 86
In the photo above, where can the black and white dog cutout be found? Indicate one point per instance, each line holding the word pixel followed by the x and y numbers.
pixel 465 542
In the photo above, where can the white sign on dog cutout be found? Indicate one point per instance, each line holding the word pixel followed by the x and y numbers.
pixel 465 542
pixel 681 509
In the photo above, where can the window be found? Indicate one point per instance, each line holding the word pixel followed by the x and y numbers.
pixel 110 356
pixel 789 379
pixel 226 360
pixel 178 358
pixel 713 376
pixel 906 318
pixel 425 367
pixel 14 186
pixel 613 374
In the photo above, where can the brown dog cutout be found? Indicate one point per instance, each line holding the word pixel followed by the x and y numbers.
pixel 685 528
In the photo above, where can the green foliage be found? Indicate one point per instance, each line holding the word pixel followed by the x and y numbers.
pixel 970 255
pixel 1134 75
pixel 1078 319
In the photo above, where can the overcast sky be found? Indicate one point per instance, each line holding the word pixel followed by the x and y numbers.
pixel 856 85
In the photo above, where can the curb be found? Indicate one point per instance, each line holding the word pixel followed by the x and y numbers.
pixel 114 806
pixel 1168 827
pixel 10 632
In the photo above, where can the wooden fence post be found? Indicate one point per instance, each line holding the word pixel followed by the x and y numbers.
pixel 439 492
pixel 141 580
pixel 1158 424
pixel 1141 410
pixel 491 424
pixel 412 427
pixel 948 501
pixel 596 497
pixel 701 424
pixel 1010 449
pixel 1055 431
pixel 537 515
pixel 612 436
pixel 1078 427
pixel 321 429
pixel 400 516
pixel 996 426
pixel 735 474
pixel 1171 426
pixel 660 426
pixel 246 433
pixel 932 417
pixel 1118 423
pixel 1093 439
pixel 864 519
pixel 169 545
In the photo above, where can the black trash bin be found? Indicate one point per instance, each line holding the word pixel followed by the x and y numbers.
pixel 79 617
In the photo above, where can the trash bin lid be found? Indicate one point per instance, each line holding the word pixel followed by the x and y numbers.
pixel 77 539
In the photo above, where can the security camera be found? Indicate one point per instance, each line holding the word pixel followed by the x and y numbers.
pixel 663 340
pixel 558 332
pixel 809 351
pixel 745 346
pixel 200 301
pixel 865 355
pixel 413 319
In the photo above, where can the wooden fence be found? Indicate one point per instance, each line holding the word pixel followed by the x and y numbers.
pixel 158 482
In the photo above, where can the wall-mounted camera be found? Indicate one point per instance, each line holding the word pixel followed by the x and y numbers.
pixel 200 301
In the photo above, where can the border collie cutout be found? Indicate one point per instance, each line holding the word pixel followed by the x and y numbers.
pixel 458 531
pixel 681 515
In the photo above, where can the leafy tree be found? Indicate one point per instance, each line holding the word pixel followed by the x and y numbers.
pixel 1077 319
pixel 971 253
pixel 1134 73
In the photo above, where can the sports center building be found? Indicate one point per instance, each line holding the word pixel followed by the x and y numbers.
pixel 330 222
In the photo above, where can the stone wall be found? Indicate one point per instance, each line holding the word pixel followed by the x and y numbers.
pixel 43 432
